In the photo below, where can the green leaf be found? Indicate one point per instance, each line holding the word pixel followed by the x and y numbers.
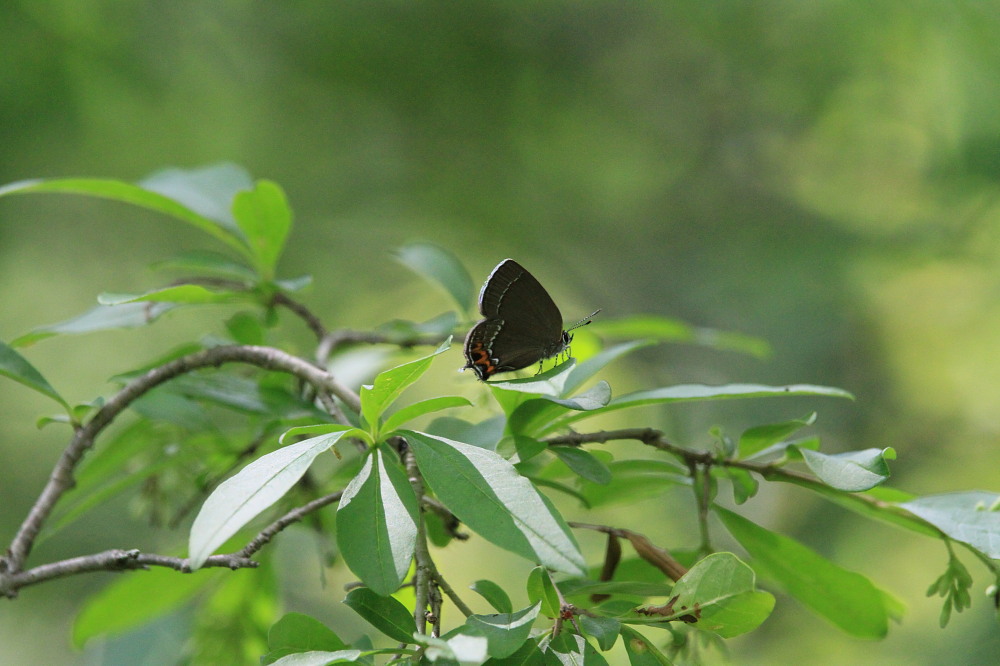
pixel 100 318
pixel 640 651
pixel 755 440
pixel 605 630
pixel 589 368
pixel 377 523
pixel 969 517
pixel 418 409
pixel 440 266
pixel 583 463
pixel 146 595
pixel 632 588
pixel 265 219
pixel 717 594
pixel 486 493
pixel 16 367
pixel 853 471
pixel 296 633
pixel 634 479
pixel 239 499
pixel 143 197
pixel 504 632
pixel 191 294
pixel 568 649
pixel 550 383
pixel 303 632
pixel 319 658
pixel 527 655
pixel 664 329
pixel 542 591
pixel 847 599
pixel 206 262
pixel 375 399
pixel 690 392
pixel 494 594
pixel 384 613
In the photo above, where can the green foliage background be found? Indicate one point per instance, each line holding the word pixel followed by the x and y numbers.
pixel 823 175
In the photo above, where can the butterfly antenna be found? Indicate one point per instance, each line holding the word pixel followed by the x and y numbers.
pixel 583 322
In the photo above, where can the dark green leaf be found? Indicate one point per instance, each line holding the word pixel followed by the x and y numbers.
pixel 605 630
pixel 440 266
pixel 847 599
pixel 527 655
pixel 384 613
pixel 494 594
pixel 640 651
pixel 486 493
pixel 573 649
pixel 583 463
pixel 377 524
pixel 16 367
pixel 296 632
pixel 505 632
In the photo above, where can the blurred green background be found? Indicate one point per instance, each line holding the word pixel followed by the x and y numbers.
pixel 823 175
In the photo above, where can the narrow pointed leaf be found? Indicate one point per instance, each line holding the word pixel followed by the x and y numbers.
pixel 605 630
pixel 239 499
pixel 377 524
pixel 302 633
pixel 319 658
pixel 418 409
pixel 206 262
pixel 442 267
pixel 569 649
pixel 100 318
pixel 665 329
pixel 133 194
pixel 375 399
pixel 845 598
pixel 486 493
pixel 183 293
pixel 16 367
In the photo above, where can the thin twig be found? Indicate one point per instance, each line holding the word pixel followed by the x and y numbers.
pixel 293 516
pixel 421 553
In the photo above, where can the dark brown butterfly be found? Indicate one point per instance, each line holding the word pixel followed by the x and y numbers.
pixel 521 324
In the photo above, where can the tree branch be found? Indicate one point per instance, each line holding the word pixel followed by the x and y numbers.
pixel 61 479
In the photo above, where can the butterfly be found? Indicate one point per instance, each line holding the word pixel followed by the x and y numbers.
pixel 521 324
